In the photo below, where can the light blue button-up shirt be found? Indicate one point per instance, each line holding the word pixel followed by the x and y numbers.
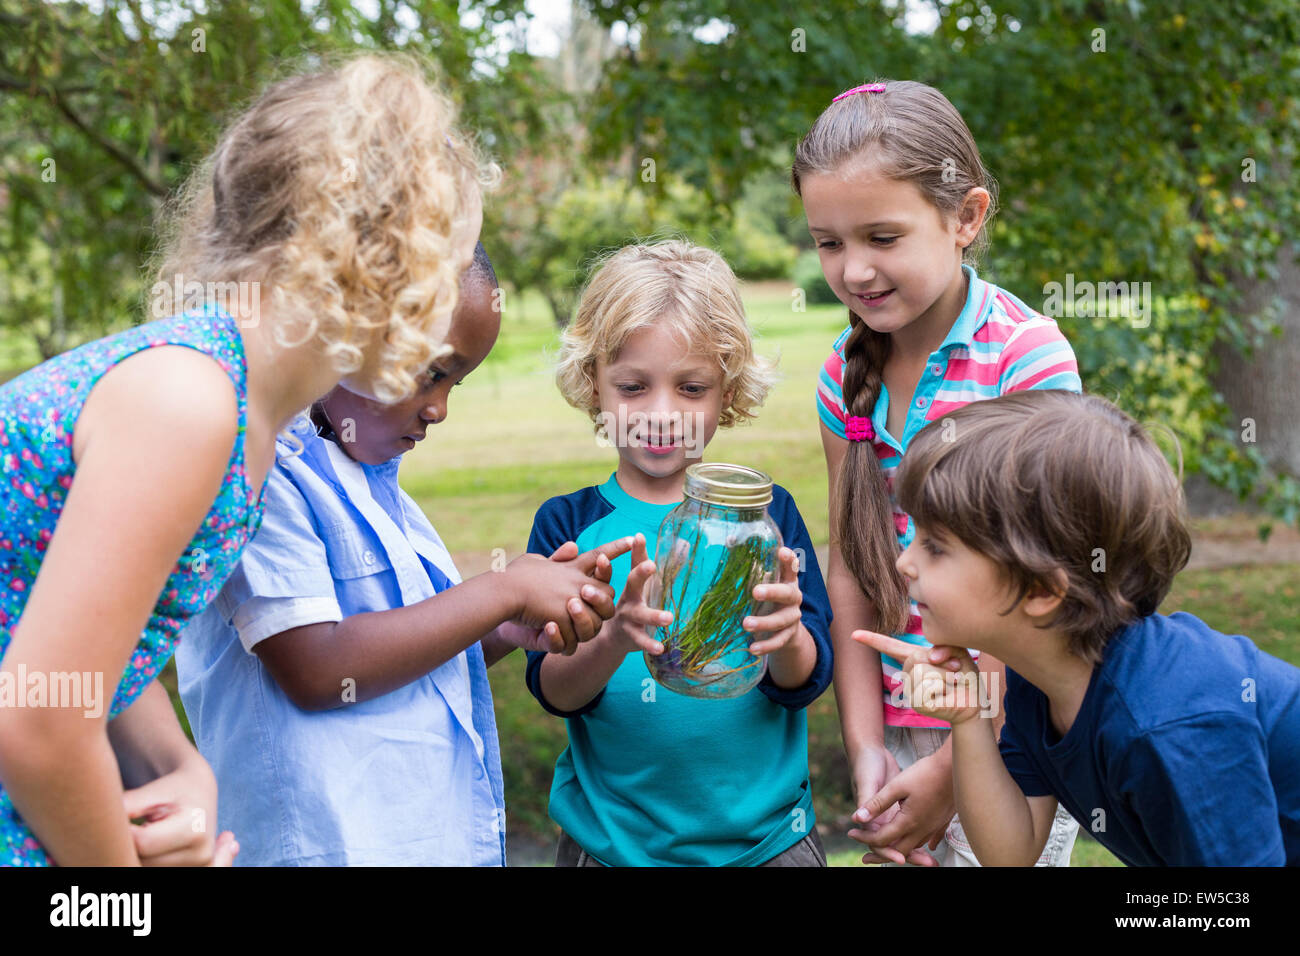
pixel 409 778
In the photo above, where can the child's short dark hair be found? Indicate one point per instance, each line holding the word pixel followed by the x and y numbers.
pixel 481 267
pixel 1042 480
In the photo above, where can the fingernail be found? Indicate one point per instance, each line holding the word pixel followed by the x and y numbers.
pixel 749 623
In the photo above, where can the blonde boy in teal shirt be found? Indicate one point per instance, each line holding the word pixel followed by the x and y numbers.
pixel 652 777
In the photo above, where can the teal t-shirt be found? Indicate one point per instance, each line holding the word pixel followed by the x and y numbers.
pixel 655 778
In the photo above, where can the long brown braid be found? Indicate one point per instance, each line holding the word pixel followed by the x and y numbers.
pixel 864 520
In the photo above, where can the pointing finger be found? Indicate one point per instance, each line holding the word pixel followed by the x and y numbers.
pixel 900 650
pixel 947 657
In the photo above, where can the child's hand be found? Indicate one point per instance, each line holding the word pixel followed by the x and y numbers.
pixel 912 810
pixel 632 616
pixel 548 639
pixel 941 682
pixel 178 811
pixel 871 770
pixel 782 626
pixel 550 592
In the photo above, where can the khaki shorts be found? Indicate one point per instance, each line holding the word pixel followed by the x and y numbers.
pixel 910 744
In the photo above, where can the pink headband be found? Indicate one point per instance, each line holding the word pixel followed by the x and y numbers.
pixel 864 88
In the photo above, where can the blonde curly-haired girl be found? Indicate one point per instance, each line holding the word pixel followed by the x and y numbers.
pixel 320 242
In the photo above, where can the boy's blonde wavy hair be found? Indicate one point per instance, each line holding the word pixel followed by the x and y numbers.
pixel 341 191
pixel 688 287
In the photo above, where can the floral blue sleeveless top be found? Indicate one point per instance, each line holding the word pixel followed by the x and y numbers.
pixel 38 413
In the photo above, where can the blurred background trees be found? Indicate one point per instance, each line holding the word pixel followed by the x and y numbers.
pixel 1134 142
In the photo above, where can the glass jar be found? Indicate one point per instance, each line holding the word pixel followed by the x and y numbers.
pixel 712 550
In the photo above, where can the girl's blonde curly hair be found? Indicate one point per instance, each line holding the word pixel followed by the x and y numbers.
pixel 342 191
pixel 690 288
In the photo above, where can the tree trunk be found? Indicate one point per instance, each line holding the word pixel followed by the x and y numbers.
pixel 57 340
pixel 1262 388
pixel 558 302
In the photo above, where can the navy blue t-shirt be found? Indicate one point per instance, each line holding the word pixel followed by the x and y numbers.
pixel 1185 751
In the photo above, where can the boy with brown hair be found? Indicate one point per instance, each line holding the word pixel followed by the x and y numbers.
pixel 1050 528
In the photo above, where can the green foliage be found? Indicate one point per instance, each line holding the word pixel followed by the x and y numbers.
pixel 1152 142
pixel 707 630
pixel 126 100
pixel 567 239
pixel 1133 142
pixel 753 250
pixel 714 112
pixel 808 275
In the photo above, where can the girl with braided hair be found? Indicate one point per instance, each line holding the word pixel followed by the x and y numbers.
pixel 898 202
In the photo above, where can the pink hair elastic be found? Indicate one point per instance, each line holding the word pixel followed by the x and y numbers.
pixel 857 428
pixel 864 88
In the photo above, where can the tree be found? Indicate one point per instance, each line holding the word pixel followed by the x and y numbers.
pixel 562 203
pixel 103 114
pixel 1134 142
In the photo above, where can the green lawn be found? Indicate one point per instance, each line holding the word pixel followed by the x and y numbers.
pixel 510 442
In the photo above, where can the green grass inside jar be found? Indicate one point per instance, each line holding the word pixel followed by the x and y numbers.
pixel 697 645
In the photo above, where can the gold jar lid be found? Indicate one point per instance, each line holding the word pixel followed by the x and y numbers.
pixel 732 486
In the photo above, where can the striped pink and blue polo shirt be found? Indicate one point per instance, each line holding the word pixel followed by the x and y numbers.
pixel 997 345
